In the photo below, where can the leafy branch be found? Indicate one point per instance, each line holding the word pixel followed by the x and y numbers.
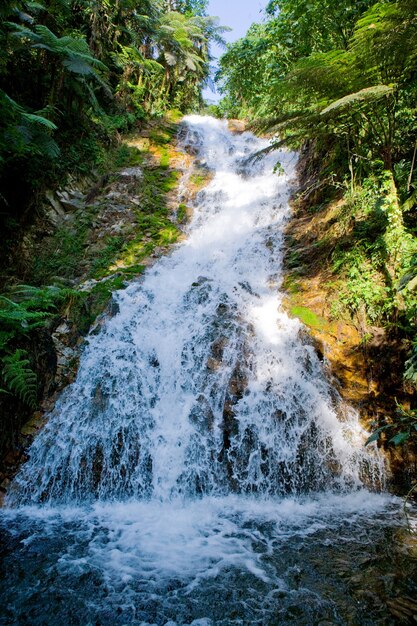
pixel 404 427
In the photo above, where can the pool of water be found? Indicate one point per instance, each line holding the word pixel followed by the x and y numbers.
pixel 330 559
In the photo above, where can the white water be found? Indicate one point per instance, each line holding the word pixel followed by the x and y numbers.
pixel 201 434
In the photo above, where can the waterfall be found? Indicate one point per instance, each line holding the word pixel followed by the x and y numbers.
pixel 201 435
pixel 201 384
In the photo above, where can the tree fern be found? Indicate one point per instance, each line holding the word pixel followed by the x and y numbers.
pixel 19 378
pixel 369 94
pixel 27 133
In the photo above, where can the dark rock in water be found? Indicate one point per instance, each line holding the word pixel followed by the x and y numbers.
pixel 218 346
pixel 113 308
pixel 201 414
pixel 213 364
pixel 100 399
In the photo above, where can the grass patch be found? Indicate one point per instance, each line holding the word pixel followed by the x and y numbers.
pixel 114 246
pixel 293 259
pixel 122 155
pixel 61 255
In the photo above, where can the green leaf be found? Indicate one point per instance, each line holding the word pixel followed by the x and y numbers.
pixel 399 438
pixel 373 437
pixel 31 117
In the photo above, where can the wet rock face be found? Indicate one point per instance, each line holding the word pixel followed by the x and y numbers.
pixel 230 426
pixel 66 340
pixel 201 415
pixel 237 126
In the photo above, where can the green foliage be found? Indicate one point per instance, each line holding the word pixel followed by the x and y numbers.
pixel 402 430
pixel 24 133
pixel 362 291
pixel 18 319
pixel 76 73
pixel 24 310
pixel 374 254
pixel 19 378
pixel 315 26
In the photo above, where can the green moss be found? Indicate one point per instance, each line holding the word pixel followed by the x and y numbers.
pixel 174 115
pixel 307 316
pixel 161 136
pixel 182 213
pixel 170 181
pixel 106 256
pixel 168 235
pixel 291 284
pixel 164 161
pixel 199 179
pixel 122 155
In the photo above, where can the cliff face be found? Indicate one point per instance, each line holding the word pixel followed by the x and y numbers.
pixel 365 359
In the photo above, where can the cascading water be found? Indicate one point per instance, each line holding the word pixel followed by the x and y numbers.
pixel 178 478
pixel 200 385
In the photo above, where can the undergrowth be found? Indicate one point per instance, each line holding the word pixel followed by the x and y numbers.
pixel 29 309
pixel 69 256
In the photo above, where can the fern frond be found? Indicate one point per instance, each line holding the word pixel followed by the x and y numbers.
pixel 38 119
pixel 5 337
pixel 35 6
pixel 278 122
pixel 19 378
pixel 369 94
pixel 16 316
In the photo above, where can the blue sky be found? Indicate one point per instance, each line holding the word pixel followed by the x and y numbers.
pixel 238 15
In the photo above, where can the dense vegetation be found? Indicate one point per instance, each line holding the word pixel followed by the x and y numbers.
pixel 74 72
pixel 74 76
pixel 338 80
